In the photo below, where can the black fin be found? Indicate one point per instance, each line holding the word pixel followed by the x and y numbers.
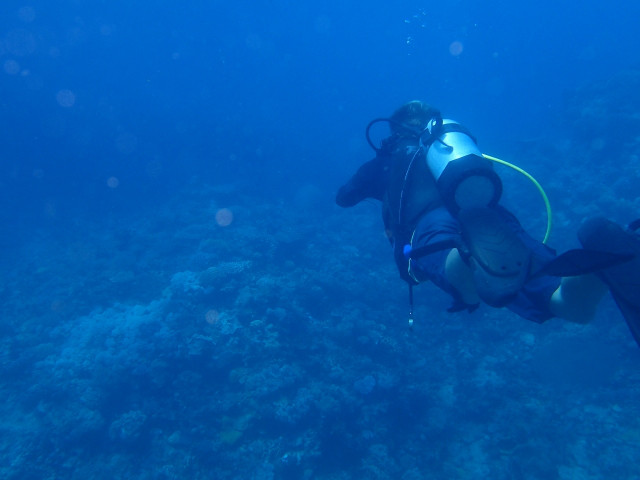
pixel 635 225
pixel 631 314
pixel 623 279
pixel 581 261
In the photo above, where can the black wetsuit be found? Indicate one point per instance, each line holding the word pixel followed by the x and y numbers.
pixel 399 177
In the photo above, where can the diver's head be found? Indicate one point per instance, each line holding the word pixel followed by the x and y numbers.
pixel 412 117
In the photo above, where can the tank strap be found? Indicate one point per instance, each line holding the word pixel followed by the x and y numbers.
pixel 440 129
pixel 456 127
pixel 412 253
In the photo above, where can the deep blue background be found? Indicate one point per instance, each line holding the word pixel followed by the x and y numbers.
pixel 139 338
pixel 270 94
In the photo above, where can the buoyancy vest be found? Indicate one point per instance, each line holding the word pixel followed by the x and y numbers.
pixel 411 192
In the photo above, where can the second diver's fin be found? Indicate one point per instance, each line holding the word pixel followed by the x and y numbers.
pixel 500 260
pixel 635 225
pixel 631 314
pixel 580 262
pixel 623 279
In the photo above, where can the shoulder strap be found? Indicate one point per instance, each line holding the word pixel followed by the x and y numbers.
pixel 438 129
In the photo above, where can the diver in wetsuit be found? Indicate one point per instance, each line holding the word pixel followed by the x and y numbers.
pixel 440 207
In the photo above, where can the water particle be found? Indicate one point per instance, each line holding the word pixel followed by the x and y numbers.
pixel 456 48
pixel 66 98
pixel 212 317
pixel 224 217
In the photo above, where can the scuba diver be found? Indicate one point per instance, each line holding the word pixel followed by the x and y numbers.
pixel 440 207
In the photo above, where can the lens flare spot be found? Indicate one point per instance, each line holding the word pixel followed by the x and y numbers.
pixel 456 48
pixel 50 210
pixel 224 217
pixel 66 98
pixel 212 317
pixel 113 182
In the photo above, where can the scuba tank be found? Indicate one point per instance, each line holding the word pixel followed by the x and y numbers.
pixel 464 177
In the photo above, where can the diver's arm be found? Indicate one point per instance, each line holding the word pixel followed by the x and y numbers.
pixel 368 182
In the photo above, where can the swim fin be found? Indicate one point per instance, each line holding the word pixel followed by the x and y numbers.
pixel 580 262
pixel 623 279
pixel 499 259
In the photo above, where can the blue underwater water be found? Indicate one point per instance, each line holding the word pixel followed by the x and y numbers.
pixel 181 297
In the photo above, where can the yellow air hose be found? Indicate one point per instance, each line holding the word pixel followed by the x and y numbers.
pixel 535 182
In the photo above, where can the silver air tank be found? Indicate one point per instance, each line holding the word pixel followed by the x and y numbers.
pixel 464 177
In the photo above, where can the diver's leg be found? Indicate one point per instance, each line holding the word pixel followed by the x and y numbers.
pixel 577 298
pixel 460 276
pixel 445 268
pixel 493 266
pixel 504 244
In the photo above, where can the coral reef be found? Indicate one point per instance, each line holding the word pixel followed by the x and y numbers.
pixel 275 347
